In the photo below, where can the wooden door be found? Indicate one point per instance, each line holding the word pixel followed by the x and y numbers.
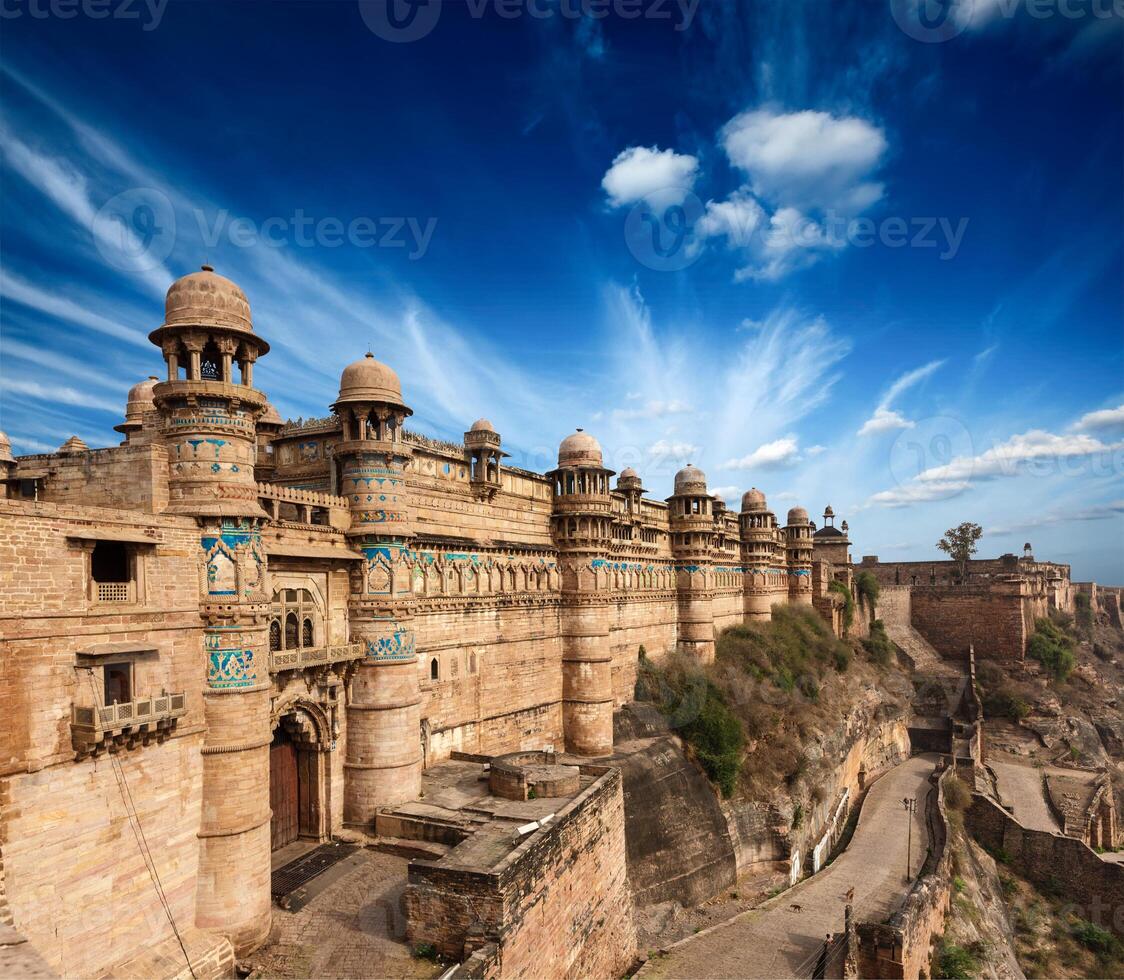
pixel 283 798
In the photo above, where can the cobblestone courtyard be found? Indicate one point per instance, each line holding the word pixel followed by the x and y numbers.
pixel 354 928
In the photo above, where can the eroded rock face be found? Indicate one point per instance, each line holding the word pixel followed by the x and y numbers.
pixel 1111 731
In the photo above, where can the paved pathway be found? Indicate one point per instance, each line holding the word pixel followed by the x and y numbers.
pixel 1020 787
pixel 777 940
pixel 354 928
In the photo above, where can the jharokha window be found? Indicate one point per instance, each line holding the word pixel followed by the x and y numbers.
pixel 296 621
pixel 112 572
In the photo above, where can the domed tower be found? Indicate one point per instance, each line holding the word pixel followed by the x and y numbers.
pixel 139 407
pixel 691 520
pixel 483 446
pixel 7 464
pixel 798 550
pixel 764 581
pixel 384 756
pixel 582 525
pixel 208 419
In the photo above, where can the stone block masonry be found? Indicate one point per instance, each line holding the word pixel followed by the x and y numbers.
pixel 1054 863
pixel 994 619
pixel 556 906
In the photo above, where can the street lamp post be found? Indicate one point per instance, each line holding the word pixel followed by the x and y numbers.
pixel 909 804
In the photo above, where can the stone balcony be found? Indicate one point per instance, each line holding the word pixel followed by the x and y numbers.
pixel 303 657
pixel 116 726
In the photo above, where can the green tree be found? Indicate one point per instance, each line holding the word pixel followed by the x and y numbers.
pixel 959 543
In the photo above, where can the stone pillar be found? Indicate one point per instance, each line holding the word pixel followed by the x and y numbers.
pixel 383 763
pixel 582 527
pixel 587 661
pixel 691 520
pixel 234 857
pixel 209 430
pixel 798 552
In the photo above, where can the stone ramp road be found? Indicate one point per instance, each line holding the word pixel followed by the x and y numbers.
pixel 1020 787
pixel 778 941
pixel 925 658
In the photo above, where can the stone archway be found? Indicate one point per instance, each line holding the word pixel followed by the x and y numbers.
pixel 299 775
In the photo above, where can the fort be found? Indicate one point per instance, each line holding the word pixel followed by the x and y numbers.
pixel 231 634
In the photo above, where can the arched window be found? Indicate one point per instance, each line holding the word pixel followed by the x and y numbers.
pixel 274 635
pixel 433 669
pixel 296 615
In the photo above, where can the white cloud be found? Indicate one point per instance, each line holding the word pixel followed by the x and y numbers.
pixel 58 180
pixel 886 419
pixel 1105 418
pixel 60 394
pixel 913 493
pixel 729 494
pixel 807 159
pixel 53 304
pixel 736 219
pixel 815 450
pixel 1007 458
pixel 641 171
pixel 664 450
pixel 1098 512
pixel 771 455
pixel 654 409
pixel 791 241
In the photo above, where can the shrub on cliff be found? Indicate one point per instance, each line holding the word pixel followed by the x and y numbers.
pixel 867 589
pixel 957 796
pixel 1052 648
pixel 696 709
pixel 793 650
pixel 840 589
pixel 878 645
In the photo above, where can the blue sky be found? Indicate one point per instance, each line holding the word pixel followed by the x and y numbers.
pixel 848 253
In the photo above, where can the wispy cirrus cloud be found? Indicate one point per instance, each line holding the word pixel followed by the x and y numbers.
pixel 887 419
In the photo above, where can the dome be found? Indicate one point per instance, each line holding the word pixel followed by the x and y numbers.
pixel 690 479
pixel 140 397
pixel 629 480
pixel 828 512
pixel 579 449
pixel 270 418
pixel 207 299
pixel 754 500
pixel 798 515
pixel 368 380
pixel 482 425
pixel 628 473
pixel 6 449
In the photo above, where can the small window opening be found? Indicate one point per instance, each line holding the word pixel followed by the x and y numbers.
pixel 117 679
pixel 433 669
